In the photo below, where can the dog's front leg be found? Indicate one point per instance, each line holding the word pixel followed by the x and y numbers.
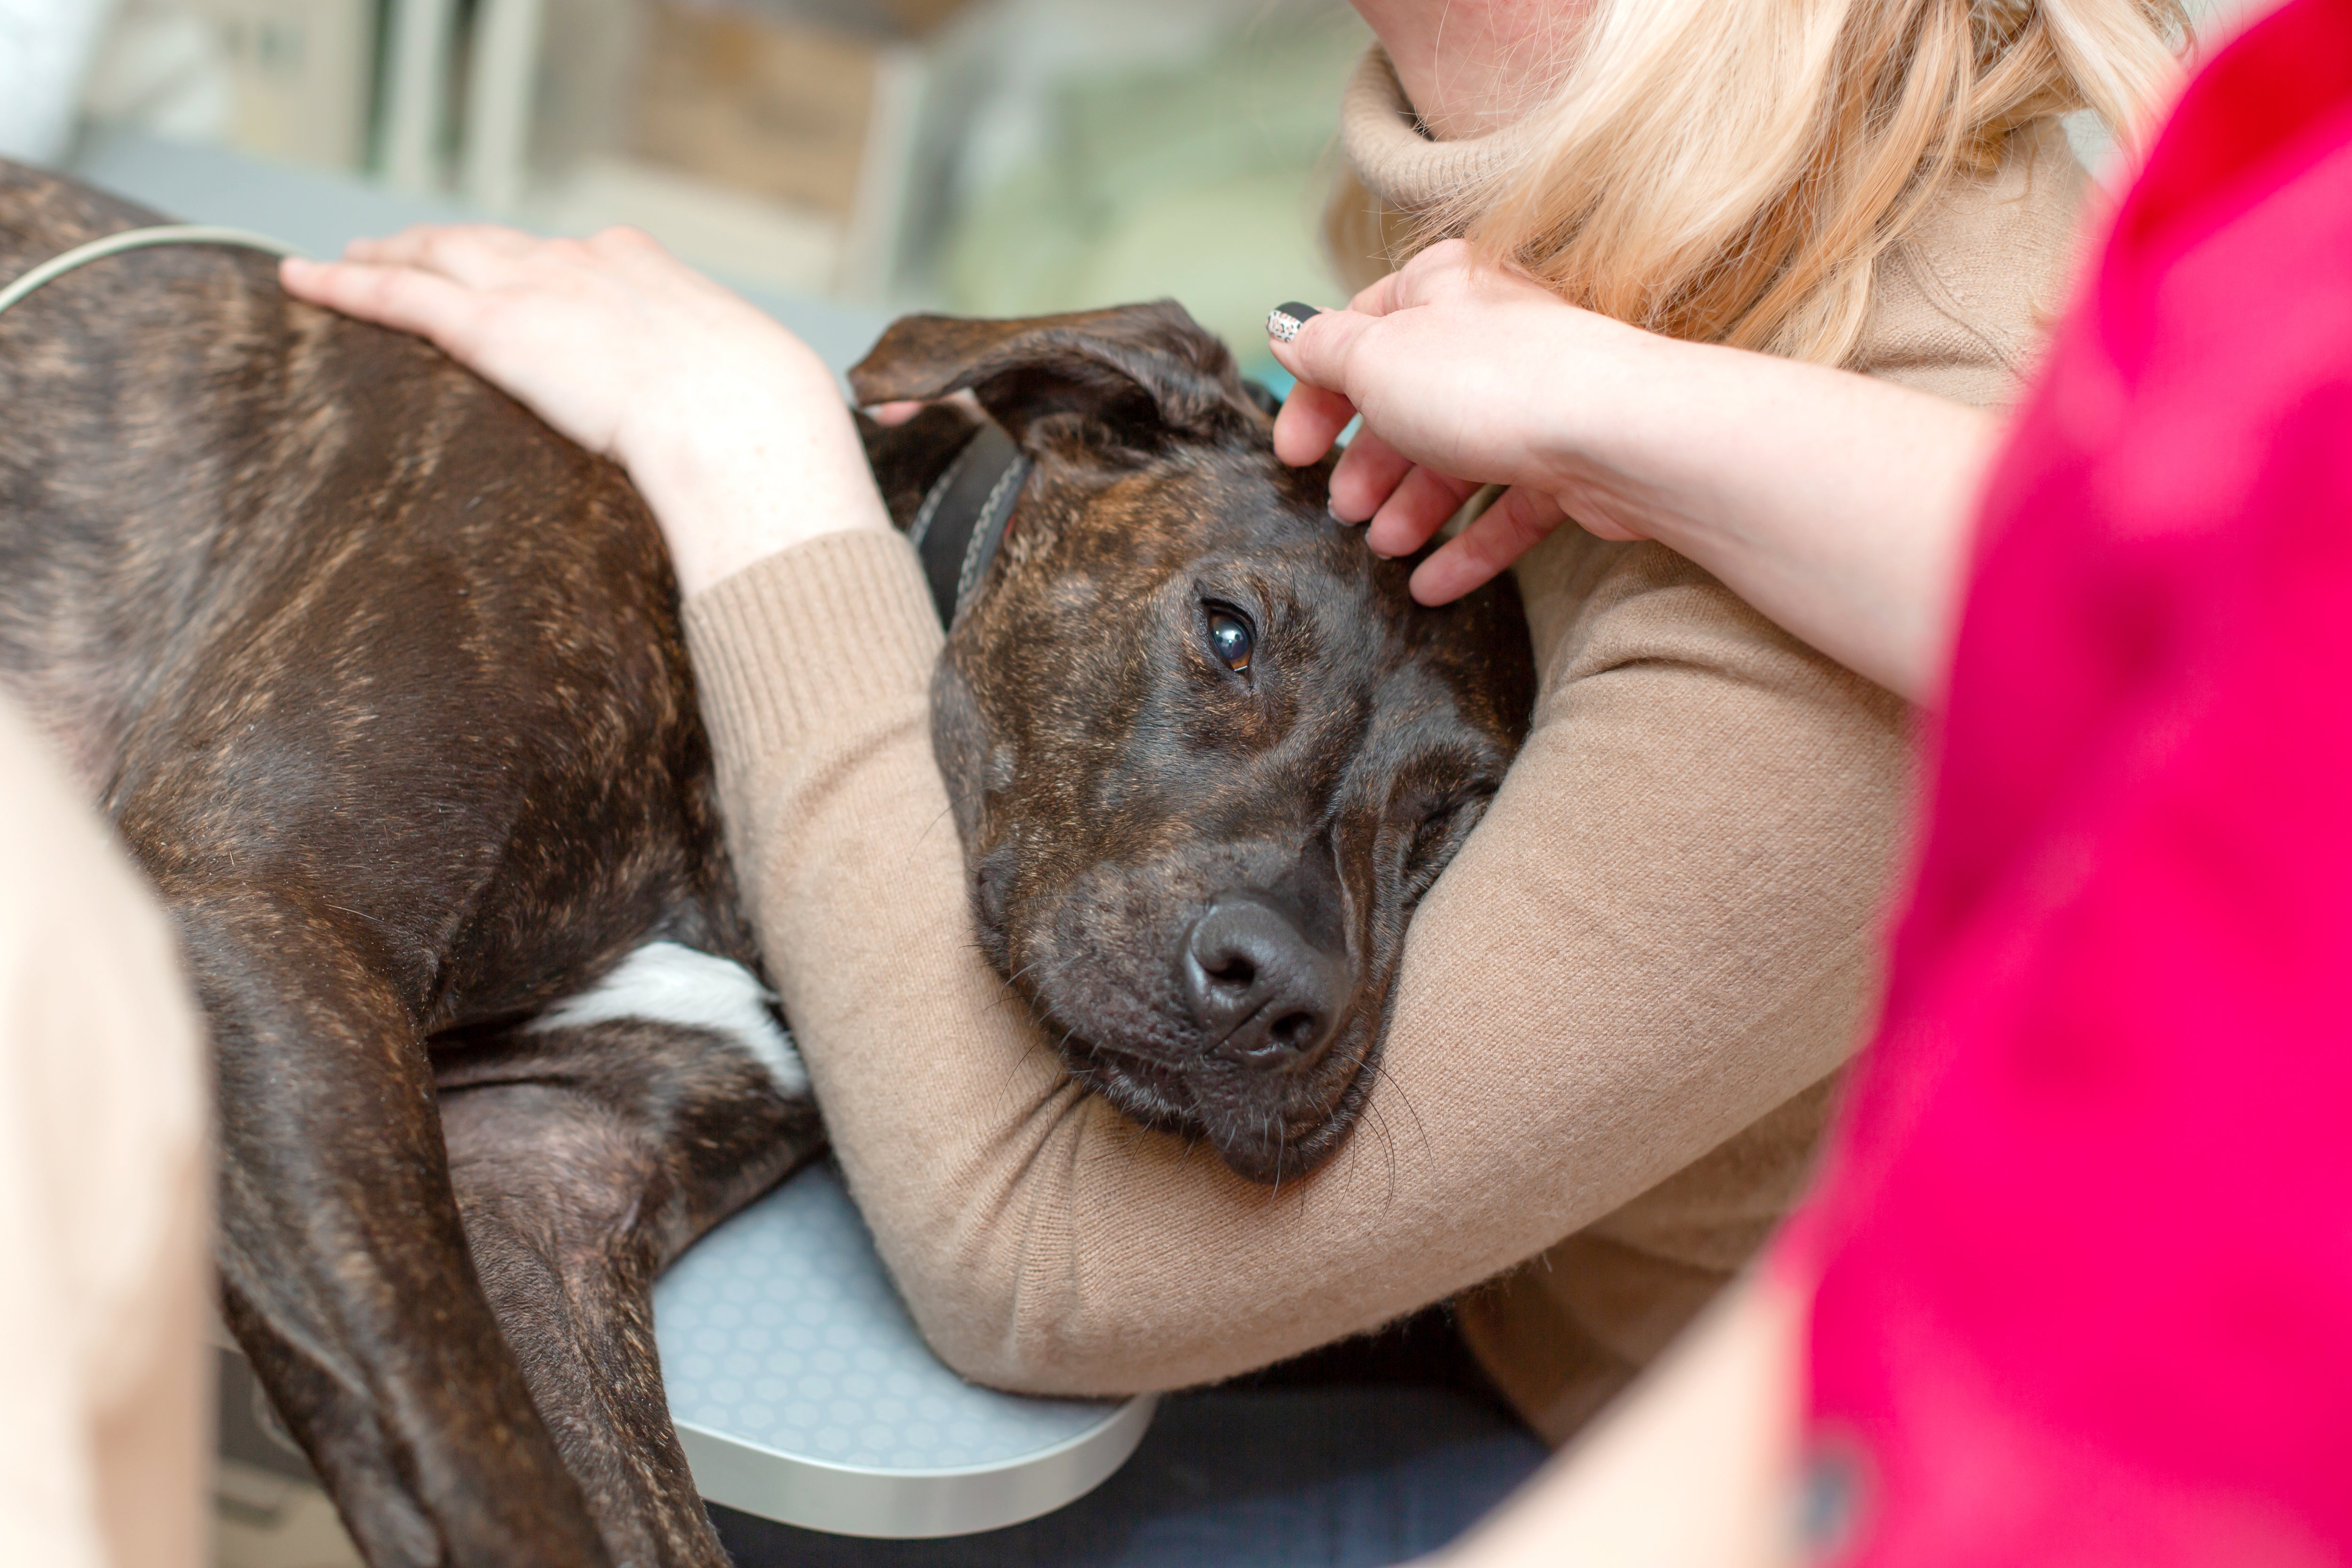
pixel 344 1268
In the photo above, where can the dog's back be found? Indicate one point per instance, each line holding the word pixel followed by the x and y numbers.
pixel 291 591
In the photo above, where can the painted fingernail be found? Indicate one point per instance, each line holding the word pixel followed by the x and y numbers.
pixel 1282 322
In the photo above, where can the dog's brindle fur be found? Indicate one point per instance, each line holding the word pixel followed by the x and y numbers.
pixel 382 684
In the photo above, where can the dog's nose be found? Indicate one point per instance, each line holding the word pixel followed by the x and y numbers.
pixel 1265 994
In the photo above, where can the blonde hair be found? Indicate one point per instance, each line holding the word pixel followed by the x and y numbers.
pixel 1730 170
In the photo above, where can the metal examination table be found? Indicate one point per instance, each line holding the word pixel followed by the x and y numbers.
pixel 801 1390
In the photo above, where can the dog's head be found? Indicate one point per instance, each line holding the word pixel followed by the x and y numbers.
pixel 1205 752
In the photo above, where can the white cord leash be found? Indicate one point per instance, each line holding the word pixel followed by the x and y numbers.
pixel 138 239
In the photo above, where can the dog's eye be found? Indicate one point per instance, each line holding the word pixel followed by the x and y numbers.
pixel 1230 639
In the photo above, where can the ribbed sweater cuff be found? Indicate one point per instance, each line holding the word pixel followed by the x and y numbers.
pixel 792 646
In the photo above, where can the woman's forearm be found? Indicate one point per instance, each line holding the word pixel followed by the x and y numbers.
pixel 1583 1008
pixel 1836 504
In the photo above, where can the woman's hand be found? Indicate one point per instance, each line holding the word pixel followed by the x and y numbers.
pixel 1465 374
pixel 1837 505
pixel 731 426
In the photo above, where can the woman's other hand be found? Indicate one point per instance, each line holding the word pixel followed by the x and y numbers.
pixel 1835 504
pixel 1440 359
pixel 732 428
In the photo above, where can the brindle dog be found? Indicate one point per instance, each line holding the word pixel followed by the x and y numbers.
pixel 382 684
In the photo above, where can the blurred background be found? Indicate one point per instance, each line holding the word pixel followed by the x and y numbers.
pixel 993 157
pixel 988 157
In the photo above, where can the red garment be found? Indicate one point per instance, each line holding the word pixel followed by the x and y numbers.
pixel 2084 1253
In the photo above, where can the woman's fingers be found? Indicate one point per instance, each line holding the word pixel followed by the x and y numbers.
pixel 492 256
pixel 1439 357
pixel 1417 509
pixel 627 241
pixel 1318 348
pixel 1374 480
pixel 1424 280
pixel 1518 521
pixel 1367 473
pixel 419 244
pixel 1311 420
pixel 1432 273
pixel 392 296
pixel 479 254
pixel 1378 297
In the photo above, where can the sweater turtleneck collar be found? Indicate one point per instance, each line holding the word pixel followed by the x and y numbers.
pixel 1396 158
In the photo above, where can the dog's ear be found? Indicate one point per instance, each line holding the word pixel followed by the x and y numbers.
pixel 907 457
pixel 1145 371
pixel 1268 401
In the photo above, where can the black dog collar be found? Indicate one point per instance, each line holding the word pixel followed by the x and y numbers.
pixel 962 518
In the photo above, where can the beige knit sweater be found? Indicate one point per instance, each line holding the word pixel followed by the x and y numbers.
pixel 1617 1010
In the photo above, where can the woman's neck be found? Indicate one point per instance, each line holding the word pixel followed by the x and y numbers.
pixel 1472 67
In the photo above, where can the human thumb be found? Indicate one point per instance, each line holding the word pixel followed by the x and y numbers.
pixel 1313 344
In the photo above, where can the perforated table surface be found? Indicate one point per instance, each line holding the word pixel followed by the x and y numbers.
pixel 803 1393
